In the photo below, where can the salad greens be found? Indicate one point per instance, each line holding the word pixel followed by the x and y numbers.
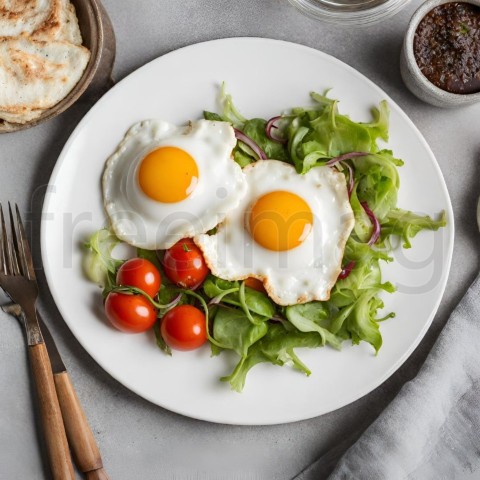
pixel 246 321
pixel 99 265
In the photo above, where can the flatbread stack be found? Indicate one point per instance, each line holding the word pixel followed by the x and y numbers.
pixel 41 56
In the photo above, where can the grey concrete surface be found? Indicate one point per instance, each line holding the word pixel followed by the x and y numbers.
pixel 139 440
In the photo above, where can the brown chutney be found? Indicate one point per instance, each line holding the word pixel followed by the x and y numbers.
pixel 447 47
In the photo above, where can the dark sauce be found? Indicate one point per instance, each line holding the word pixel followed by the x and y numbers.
pixel 447 47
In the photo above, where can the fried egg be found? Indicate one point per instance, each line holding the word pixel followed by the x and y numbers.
pixel 164 182
pixel 289 231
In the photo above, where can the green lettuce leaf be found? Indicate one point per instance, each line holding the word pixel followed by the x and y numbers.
pixel 160 341
pixel 407 224
pixel 213 117
pixel 234 330
pixel 242 158
pixel 150 255
pixel 318 135
pixel 99 265
pixel 255 129
pixel 276 347
pixel 258 303
pixel 378 181
pixel 308 317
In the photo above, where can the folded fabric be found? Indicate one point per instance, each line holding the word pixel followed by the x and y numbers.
pixel 431 430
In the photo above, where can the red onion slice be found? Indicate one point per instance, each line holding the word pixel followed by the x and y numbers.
pixel 376 224
pixel 249 142
pixel 346 270
pixel 173 303
pixel 351 180
pixel 215 300
pixel 270 126
pixel 345 156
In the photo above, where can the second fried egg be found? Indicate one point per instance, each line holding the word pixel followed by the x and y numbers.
pixel 289 232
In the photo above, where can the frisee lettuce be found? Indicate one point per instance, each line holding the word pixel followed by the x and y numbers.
pixel 316 135
pixel 246 321
pixel 99 265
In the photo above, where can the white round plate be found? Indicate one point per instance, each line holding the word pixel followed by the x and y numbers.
pixel 264 78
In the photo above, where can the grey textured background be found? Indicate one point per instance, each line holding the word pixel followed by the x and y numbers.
pixel 140 440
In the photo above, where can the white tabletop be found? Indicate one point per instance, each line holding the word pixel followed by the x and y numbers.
pixel 140 440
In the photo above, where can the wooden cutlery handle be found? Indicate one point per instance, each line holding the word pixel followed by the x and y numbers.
pixel 80 436
pixel 99 474
pixel 51 416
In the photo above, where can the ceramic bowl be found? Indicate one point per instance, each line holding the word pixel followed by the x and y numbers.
pixel 412 76
pixel 89 13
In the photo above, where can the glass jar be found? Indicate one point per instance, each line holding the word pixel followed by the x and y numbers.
pixel 350 12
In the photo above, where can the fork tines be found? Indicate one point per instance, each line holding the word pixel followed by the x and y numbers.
pixel 5 264
pixel 15 256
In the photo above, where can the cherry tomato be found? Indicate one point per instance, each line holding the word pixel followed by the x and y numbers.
pixel 255 284
pixel 140 273
pixel 130 313
pixel 183 328
pixel 184 264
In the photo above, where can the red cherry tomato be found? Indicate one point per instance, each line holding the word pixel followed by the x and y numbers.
pixel 183 328
pixel 140 273
pixel 255 284
pixel 130 313
pixel 184 264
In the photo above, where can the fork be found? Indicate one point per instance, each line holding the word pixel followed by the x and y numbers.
pixel 17 278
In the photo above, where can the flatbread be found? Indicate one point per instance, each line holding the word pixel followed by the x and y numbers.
pixel 70 31
pixel 20 115
pixel 41 57
pixel 40 19
pixel 62 24
pixel 36 75
pixel 23 16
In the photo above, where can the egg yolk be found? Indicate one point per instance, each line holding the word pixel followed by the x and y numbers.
pixel 168 175
pixel 280 220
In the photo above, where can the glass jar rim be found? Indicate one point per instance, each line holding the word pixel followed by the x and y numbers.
pixel 347 14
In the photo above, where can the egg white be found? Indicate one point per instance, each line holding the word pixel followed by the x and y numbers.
pixel 304 273
pixel 143 222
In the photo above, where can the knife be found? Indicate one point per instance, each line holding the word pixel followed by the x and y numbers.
pixel 79 434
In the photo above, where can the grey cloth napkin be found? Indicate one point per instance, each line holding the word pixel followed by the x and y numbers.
pixel 431 430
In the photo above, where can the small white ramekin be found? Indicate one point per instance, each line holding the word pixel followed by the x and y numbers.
pixel 412 76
